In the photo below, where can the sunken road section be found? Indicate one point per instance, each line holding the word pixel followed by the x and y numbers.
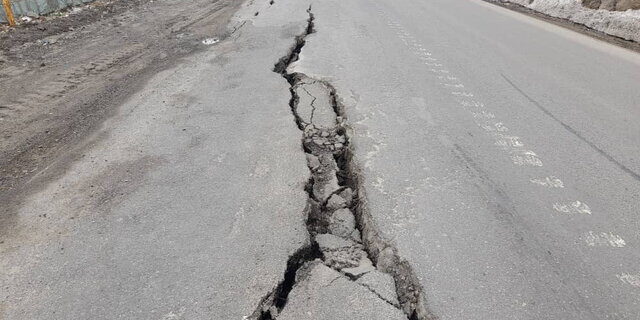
pixel 348 270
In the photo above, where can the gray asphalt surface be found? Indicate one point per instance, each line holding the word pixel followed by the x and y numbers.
pixel 500 153
pixel 186 205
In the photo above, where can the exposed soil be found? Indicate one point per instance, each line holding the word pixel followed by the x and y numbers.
pixel 60 77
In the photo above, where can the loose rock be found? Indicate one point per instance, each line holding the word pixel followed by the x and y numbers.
pixel 347 257
pixel 325 179
pixel 365 265
pixel 313 162
pixel 342 223
pixel 329 242
pixel 336 202
pixel 347 195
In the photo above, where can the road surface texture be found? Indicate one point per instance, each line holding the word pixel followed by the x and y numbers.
pixel 499 153
pixel 62 77
pixel 187 203
pixel 365 159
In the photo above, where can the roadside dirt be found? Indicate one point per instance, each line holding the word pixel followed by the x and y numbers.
pixel 60 78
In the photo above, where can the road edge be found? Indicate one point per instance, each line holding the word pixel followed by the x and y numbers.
pixel 567 24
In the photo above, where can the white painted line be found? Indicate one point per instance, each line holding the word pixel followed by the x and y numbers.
pixel 604 239
pixel 526 158
pixel 549 182
pixel 573 207
pixel 631 279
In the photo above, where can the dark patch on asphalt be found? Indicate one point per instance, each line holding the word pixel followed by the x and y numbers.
pixel 99 59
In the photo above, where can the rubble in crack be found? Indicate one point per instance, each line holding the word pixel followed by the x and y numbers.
pixel 337 279
pixel 344 283
pixel 322 140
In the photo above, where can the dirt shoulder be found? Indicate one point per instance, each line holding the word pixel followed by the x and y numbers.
pixel 60 78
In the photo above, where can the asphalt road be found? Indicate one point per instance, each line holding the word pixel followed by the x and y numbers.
pixel 500 153
pixel 497 153
pixel 186 204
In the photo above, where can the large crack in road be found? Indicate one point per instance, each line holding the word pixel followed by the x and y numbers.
pixel 346 250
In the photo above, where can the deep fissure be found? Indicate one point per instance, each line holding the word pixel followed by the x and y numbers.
pixel 336 206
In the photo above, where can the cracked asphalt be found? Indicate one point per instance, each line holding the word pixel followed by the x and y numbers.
pixel 365 159
pixel 187 202
pixel 498 152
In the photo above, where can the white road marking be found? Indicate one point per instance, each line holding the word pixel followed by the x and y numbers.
pixel 439 71
pixel 457 85
pixel 573 207
pixel 550 182
pixel 561 208
pixel 632 279
pixel 452 78
pixel 508 141
pixel 461 93
pixel 500 127
pixel 581 207
pixel 604 239
pixel 526 158
pixel 471 104
pixel 210 41
pixel 512 144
